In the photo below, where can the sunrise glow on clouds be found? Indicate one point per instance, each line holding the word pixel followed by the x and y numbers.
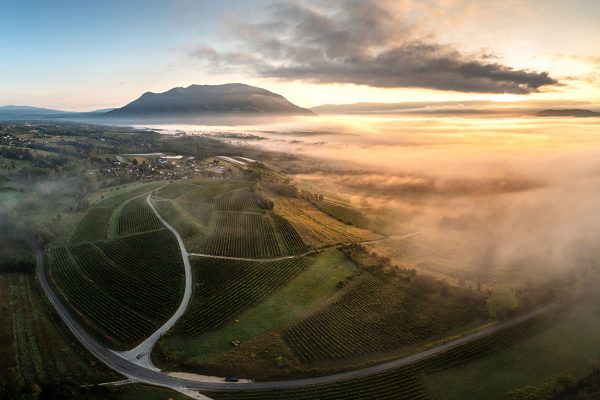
pixel 79 56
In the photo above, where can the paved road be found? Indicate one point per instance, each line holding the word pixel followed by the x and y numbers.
pixel 140 355
pixel 141 374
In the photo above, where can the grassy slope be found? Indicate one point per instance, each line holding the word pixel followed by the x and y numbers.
pixel 33 339
pixel 316 283
pixel 571 344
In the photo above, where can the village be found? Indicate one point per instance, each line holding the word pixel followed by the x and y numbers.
pixel 152 166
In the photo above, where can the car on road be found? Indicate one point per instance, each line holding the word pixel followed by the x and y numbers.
pixel 232 379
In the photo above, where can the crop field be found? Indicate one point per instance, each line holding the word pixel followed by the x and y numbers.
pixel 33 342
pixel 404 382
pixel 316 228
pixel 202 213
pixel 137 216
pixel 570 345
pixel 344 213
pixel 314 286
pixel 94 225
pixel 226 287
pixel 191 234
pixel 237 200
pixel 290 237
pixel 242 235
pixel 123 288
pixel 120 198
pixel 375 316
pixel 213 190
pixel 175 190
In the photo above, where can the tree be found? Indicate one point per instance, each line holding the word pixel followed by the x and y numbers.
pixel 15 385
pixel 501 302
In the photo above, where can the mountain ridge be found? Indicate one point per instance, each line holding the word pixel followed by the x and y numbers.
pixel 204 100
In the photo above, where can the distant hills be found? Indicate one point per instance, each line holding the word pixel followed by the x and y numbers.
pixel 195 102
pixel 208 100
pixel 573 112
pixel 20 111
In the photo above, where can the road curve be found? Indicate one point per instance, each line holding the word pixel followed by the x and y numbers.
pixel 142 374
pixel 141 353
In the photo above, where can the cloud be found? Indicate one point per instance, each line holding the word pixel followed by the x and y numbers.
pixel 370 43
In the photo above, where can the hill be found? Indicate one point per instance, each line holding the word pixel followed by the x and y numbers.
pixel 24 111
pixel 573 112
pixel 206 100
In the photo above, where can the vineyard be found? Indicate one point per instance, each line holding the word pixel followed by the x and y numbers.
pixel 123 289
pixel 33 343
pixel 291 239
pixel 94 225
pixel 237 200
pixel 226 287
pixel 176 190
pixel 242 235
pixel 375 316
pixel 316 228
pixel 137 216
pixel 403 382
pixel 201 212
pixel 213 190
pixel 118 199
pixel 191 234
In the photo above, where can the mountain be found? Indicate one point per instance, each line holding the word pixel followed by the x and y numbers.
pixel 573 112
pixel 208 100
pixel 27 110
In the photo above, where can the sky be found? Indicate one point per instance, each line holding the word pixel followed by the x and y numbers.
pixel 81 55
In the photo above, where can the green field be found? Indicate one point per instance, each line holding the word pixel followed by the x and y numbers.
pixel 405 382
pixel 121 289
pixel 137 216
pixel 375 316
pixel 34 341
pixel 314 285
pixel 222 218
pixel 242 235
pixel 225 287
pixel 569 346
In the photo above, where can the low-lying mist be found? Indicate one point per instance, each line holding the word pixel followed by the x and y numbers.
pixel 513 193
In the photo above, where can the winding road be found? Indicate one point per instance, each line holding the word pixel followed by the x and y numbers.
pixel 140 355
pixel 135 364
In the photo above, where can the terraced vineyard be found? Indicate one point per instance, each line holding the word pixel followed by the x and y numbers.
pixel 225 287
pixel 404 382
pixel 137 216
pixel 94 225
pixel 122 289
pixel 242 235
pixel 375 316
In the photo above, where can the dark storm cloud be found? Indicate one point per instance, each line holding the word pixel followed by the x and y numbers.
pixel 367 43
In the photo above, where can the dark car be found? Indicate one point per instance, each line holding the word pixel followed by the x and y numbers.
pixel 231 379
